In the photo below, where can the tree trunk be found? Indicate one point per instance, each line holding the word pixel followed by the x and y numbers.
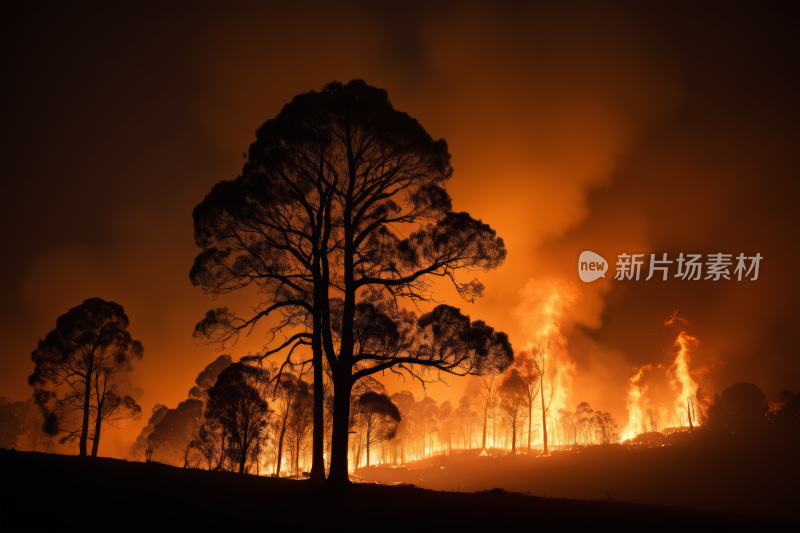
pixel 368 450
pixel 689 412
pixel 97 424
pixel 221 452
pixel 297 459
pixel 318 432
pixel 280 445
pixel 514 437
pixel 86 407
pixel 544 421
pixel 485 419
pixel 530 425
pixel 339 475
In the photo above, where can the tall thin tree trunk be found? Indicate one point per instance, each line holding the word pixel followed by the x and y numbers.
pixel 514 436
pixel 689 412
pixel 530 424
pixel 86 407
pixel 485 419
pixel 544 420
pixel 318 432
pixel 97 424
pixel 221 452
pixel 280 445
pixel 368 450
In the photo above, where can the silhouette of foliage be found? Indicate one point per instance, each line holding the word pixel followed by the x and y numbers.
pixel 312 222
pixel 742 408
pixel 379 417
pixel 81 356
pixel 237 403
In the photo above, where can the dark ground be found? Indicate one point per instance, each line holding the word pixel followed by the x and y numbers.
pixel 55 492
pixel 754 480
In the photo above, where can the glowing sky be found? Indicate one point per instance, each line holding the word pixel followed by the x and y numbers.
pixel 614 129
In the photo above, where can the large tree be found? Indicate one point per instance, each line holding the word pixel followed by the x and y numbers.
pixel 339 216
pixel 79 359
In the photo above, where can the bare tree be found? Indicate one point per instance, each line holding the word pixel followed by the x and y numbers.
pixel 481 391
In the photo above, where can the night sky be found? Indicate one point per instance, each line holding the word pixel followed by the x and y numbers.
pixel 625 127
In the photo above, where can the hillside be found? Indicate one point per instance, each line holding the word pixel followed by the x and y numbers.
pixel 56 492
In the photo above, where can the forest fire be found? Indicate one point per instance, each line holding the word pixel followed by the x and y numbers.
pixel 413 246
pixel 689 406
pixel 541 313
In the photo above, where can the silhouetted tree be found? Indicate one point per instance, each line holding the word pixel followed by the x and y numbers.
pixel 742 407
pixel 286 387
pixel 175 435
pixel 404 400
pixel 140 444
pixel 380 418
pixel 513 398
pixel 604 425
pixel 481 391
pixel 540 355
pixel 528 369
pixel 316 211
pixel 787 417
pixel 446 426
pixel 583 416
pixel 466 419
pixel 188 426
pixel 236 402
pixel 12 421
pixel 88 347
pixel 300 420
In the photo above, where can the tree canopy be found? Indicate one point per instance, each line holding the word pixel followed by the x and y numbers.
pixel 339 217
pixel 80 358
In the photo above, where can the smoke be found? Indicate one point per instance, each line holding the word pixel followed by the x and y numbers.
pixel 168 431
pixel 611 128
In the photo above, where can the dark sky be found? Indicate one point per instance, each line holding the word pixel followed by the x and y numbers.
pixel 628 127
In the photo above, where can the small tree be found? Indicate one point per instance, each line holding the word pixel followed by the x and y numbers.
pixel 380 418
pixel 81 356
pixel 741 408
pixel 236 402
pixel 284 391
pixel 174 436
pixel 300 421
pixel 513 398
pixel 527 367
pixel 481 391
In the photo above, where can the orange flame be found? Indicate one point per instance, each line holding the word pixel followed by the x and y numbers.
pixel 637 404
pixel 542 314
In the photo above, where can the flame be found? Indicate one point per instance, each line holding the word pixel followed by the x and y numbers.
pixel 637 404
pixel 542 313
pixel 682 379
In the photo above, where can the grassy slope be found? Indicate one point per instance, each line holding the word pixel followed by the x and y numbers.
pixel 42 492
